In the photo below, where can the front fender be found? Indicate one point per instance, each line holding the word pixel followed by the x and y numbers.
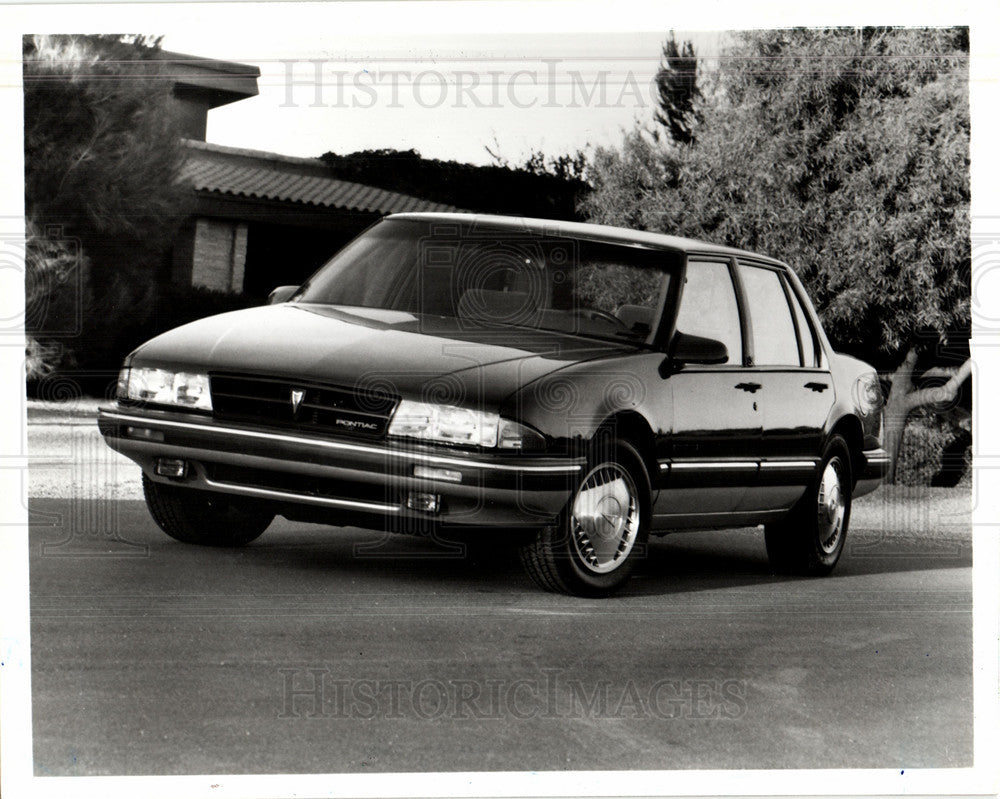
pixel 571 405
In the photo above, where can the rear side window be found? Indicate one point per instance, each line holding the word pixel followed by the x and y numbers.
pixel 774 339
pixel 708 306
pixel 807 338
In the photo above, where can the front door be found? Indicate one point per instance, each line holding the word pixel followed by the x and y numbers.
pixel 715 438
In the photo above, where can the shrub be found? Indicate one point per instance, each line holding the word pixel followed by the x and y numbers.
pixel 934 452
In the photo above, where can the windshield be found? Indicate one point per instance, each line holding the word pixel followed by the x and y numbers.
pixel 495 277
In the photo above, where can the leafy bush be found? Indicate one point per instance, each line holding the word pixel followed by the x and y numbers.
pixel 934 452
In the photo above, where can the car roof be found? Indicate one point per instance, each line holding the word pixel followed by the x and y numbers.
pixel 587 230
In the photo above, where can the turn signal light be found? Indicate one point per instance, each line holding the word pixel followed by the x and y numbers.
pixel 143 432
pixel 430 473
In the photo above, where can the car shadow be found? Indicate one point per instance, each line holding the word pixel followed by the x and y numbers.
pixel 707 560
pixel 678 563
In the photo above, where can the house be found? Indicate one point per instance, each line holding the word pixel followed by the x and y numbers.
pixel 259 219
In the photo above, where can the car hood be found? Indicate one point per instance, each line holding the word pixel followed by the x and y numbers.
pixel 441 359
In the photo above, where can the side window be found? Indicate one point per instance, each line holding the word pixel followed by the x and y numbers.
pixel 774 339
pixel 708 306
pixel 806 336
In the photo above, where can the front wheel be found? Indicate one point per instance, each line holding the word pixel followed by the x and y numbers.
pixel 810 540
pixel 201 517
pixel 593 548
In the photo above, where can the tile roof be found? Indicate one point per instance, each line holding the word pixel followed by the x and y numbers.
pixel 269 176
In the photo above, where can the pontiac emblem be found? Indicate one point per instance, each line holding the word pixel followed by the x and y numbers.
pixel 297 395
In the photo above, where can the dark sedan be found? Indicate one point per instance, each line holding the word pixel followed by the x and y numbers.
pixel 573 388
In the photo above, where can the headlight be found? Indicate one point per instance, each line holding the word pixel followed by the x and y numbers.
pixel 165 387
pixel 450 424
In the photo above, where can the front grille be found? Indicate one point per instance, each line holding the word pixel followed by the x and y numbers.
pixel 320 408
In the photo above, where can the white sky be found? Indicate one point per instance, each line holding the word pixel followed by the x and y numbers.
pixel 446 95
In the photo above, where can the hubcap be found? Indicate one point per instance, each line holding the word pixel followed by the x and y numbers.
pixel 605 518
pixel 830 507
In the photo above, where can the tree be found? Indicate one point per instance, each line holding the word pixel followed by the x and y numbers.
pixel 568 167
pixel 677 91
pixel 548 188
pixel 845 153
pixel 102 196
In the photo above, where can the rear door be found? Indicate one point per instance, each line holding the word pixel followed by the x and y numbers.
pixel 716 432
pixel 797 392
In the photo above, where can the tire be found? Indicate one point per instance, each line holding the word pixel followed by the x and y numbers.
pixel 810 539
pixel 201 517
pixel 594 546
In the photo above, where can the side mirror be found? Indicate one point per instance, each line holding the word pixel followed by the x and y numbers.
pixel 281 294
pixel 686 348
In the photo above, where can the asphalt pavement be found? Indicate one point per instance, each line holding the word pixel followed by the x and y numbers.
pixel 325 649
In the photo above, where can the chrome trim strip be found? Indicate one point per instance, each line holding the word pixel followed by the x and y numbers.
pixel 253 491
pixel 729 465
pixel 338 445
pixel 735 465
pixel 717 513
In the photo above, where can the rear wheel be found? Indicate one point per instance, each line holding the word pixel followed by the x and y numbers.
pixel 201 517
pixel 593 548
pixel 810 540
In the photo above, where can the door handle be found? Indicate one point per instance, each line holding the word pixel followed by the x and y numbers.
pixel 751 387
pixel 817 387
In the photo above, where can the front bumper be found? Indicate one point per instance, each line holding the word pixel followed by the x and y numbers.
pixel 345 481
